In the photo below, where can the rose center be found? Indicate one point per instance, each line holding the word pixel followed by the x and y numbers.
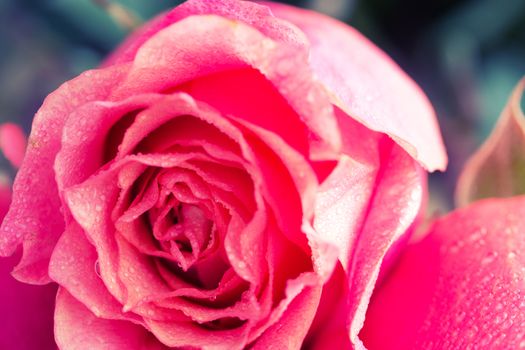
pixel 182 230
pixel 191 229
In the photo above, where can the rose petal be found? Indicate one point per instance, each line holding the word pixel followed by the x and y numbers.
pixel 462 286
pixel 250 13
pixel 283 169
pixel 13 143
pixel 394 207
pixel 190 334
pixel 343 198
pixel 283 285
pixel 169 58
pixel 38 222
pixel 76 328
pixel 227 92
pixel 302 95
pixel 327 330
pixel 91 204
pixel 75 267
pixel 245 308
pixel 368 85
pixel 85 137
pixel 138 275
pixel 178 119
pixel 380 203
pixel 290 331
pixel 226 293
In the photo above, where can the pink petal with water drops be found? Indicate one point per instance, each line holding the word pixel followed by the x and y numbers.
pixel 34 217
pixel 168 59
pixel 76 328
pixel 460 287
pixel 368 85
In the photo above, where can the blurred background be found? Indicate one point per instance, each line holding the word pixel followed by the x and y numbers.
pixel 467 55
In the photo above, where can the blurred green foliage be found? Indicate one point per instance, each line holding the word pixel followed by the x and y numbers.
pixel 466 54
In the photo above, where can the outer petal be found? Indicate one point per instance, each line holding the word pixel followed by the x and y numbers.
pixel 76 328
pixel 171 58
pixel 249 37
pixel 25 309
pixel 369 86
pixel 364 207
pixel 250 13
pixel 34 217
pixel 395 206
pixel 461 287
pixel 27 312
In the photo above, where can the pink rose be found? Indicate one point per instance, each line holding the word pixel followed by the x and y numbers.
pixel 234 176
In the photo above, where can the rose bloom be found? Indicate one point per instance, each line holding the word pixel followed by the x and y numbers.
pixel 234 176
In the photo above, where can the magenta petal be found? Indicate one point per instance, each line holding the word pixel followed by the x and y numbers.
pixel 26 312
pixel 76 328
pixel 369 86
pixel 25 309
pixel 13 143
pixel 5 197
pixel 461 287
pixel 38 222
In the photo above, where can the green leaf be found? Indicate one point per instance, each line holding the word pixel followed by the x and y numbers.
pixel 497 169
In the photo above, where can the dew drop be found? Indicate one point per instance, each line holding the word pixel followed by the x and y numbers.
pixel 460 317
pixel 97 268
pixel 489 258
